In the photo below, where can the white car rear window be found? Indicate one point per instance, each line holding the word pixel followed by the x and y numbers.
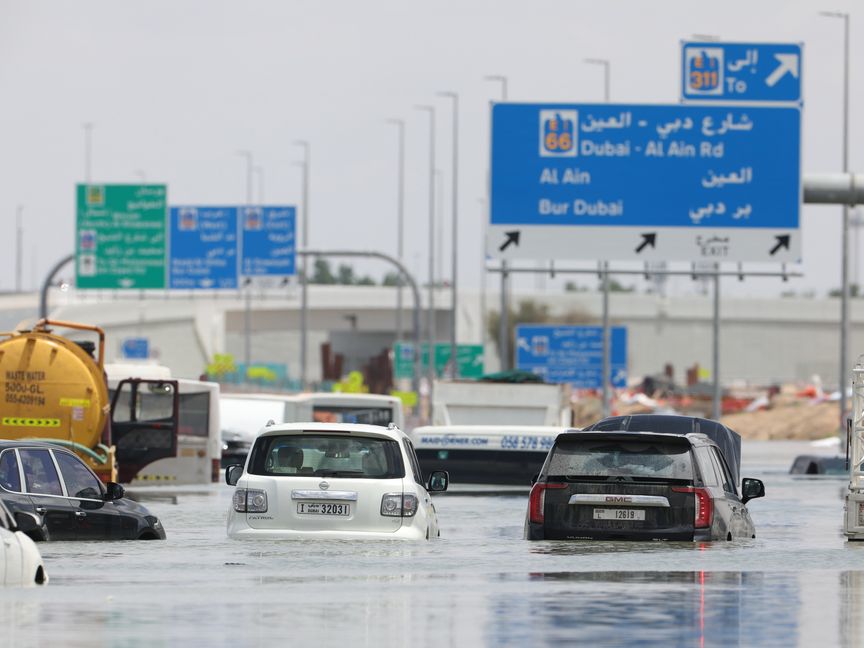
pixel 327 455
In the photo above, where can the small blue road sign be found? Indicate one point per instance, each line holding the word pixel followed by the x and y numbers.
pixel 203 250
pixel 760 72
pixel 136 348
pixel 268 242
pixel 572 354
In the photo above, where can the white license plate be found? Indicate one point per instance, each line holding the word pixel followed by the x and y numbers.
pixel 618 514
pixel 319 508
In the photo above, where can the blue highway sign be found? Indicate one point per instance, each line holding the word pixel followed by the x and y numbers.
pixel 761 72
pixel 268 243
pixel 572 354
pixel 136 348
pixel 203 250
pixel 645 182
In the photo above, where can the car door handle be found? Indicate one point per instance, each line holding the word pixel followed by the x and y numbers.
pixel 41 510
pixel 80 514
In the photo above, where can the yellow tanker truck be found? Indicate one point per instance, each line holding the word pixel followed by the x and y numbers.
pixel 54 389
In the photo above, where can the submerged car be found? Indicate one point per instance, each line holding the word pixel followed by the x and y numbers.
pixel 20 560
pixel 334 480
pixel 58 497
pixel 646 477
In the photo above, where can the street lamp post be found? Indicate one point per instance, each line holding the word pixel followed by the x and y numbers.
pixel 455 236
pixel 19 240
pixel 844 256
pixel 247 310
pixel 431 312
pixel 88 151
pixel 304 279
pixel 400 222
pixel 503 320
pixel 606 333
pixel 259 172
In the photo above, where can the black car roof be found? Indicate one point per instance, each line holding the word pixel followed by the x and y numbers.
pixel 726 439
pixel 20 443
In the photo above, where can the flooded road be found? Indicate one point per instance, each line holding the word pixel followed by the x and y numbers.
pixel 798 583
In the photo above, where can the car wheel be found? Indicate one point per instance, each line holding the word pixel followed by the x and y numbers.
pixel 39 579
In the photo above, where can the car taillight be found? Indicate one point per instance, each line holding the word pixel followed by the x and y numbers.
pixel 250 500
pixel 704 505
pixel 399 505
pixel 537 501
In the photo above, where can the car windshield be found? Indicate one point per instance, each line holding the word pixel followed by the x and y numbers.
pixel 610 458
pixel 327 455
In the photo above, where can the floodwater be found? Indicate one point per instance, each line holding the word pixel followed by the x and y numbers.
pixel 798 583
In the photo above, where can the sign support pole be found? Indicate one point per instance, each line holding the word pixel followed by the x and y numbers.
pixel 606 341
pixel 717 410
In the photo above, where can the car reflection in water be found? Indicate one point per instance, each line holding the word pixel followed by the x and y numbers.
pixel 698 608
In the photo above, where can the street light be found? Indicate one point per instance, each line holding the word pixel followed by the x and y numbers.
pixel 503 323
pixel 304 279
pixel 844 256
pixel 400 222
pixel 431 313
pixel 88 149
pixel 259 171
pixel 19 239
pixel 454 234
pixel 606 340
pixel 247 309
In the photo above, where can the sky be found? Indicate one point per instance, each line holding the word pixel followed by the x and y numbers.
pixel 174 90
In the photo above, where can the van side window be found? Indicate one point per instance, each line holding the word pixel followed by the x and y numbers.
pixel 710 476
pixel 415 464
pixel 728 484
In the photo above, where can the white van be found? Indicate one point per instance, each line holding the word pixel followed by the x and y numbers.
pixel 243 415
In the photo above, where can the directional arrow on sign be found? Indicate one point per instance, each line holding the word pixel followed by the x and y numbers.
pixel 512 237
pixel 788 63
pixel 782 242
pixel 647 239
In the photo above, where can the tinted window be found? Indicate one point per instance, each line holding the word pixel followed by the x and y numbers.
pixel 40 476
pixel 326 455
pixel 710 476
pixel 155 401
pixel 10 479
pixel 80 482
pixel 725 475
pixel 195 414
pixel 611 458
pixel 415 464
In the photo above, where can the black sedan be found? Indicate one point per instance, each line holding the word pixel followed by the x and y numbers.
pixel 64 498
pixel 617 482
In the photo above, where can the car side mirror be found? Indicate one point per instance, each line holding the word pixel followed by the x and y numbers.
pixel 114 491
pixel 751 489
pixel 233 474
pixel 438 481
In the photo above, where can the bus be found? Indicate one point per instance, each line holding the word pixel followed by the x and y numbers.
pixel 243 415
pixel 192 452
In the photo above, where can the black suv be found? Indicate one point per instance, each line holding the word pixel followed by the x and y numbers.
pixel 60 498
pixel 645 477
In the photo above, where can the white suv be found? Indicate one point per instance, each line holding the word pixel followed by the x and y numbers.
pixel 332 480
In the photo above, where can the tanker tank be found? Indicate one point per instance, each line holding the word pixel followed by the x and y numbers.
pixel 54 389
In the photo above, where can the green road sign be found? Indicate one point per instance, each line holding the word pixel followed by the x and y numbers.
pixel 121 236
pixel 469 357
